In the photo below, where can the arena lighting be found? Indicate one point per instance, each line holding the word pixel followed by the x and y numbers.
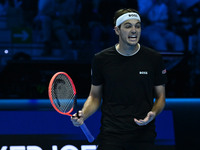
pixel 6 51
pixel 183 100
pixel 54 147
pixel 46 103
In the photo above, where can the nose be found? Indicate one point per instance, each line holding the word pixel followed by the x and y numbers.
pixel 133 30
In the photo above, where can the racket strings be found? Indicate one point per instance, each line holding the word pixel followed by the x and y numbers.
pixel 63 94
pixel 64 100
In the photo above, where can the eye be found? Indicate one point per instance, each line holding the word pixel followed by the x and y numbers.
pixel 138 25
pixel 128 26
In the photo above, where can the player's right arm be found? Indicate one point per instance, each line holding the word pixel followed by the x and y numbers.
pixel 90 106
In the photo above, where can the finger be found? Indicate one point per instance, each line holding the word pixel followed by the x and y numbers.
pixel 136 120
pixel 74 119
pixel 140 122
pixel 79 113
pixel 77 122
pixel 74 116
pixel 145 119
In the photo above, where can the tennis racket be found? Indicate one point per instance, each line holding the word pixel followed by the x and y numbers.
pixel 62 94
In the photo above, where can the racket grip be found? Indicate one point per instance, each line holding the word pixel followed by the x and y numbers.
pixel 87 133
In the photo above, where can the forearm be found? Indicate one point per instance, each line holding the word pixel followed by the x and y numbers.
pixel 159 105
pixel 90 106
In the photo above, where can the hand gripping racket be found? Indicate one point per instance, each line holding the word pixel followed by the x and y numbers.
pixel 62 94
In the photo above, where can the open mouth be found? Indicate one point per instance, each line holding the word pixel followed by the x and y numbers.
pixel 133 37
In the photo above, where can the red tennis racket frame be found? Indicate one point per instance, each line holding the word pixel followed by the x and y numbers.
pixel 50 95
pixel 84 128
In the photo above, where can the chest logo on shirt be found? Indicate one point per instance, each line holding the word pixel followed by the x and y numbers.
pixel 143 72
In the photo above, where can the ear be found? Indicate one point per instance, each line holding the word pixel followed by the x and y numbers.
pixel 116 30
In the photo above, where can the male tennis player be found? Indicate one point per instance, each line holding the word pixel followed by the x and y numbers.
pixel 127 77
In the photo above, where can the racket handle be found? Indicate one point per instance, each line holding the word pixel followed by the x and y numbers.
pixel 87 133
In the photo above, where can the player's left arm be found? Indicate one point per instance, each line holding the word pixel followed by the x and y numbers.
pixel 159 103
pixel 157 108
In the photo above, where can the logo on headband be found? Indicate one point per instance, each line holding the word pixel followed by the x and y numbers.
pixel 132 15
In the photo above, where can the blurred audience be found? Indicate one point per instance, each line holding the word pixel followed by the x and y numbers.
pixel 156 32
pixel 29 9
pixel 11 9
pixel 56 17
pixel 62 21
pixel 3 6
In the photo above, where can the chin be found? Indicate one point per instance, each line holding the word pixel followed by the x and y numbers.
pixel 132 43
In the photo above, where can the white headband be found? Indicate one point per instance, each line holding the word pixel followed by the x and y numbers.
pixel 127 16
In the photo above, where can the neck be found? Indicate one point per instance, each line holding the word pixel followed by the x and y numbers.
pixel 128 51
